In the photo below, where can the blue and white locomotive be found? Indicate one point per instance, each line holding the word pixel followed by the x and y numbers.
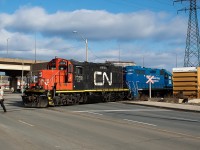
pixel 138 79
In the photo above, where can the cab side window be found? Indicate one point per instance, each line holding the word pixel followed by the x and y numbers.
pixel 79 70
pixel 70 68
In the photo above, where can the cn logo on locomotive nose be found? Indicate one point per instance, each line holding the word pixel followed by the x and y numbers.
pixel 104 76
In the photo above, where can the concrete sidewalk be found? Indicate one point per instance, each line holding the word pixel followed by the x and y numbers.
pixel 176 106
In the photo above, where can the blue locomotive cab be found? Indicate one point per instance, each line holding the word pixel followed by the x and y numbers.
pixel 138 79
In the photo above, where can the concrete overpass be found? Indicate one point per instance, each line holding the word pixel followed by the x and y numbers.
pixel 16 67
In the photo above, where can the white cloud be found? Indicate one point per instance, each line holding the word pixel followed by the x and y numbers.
pixel 97 24
pixel 150 31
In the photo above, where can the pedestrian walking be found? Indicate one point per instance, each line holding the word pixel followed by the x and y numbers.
pixel 2 99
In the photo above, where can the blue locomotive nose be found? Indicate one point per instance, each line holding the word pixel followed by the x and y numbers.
pixel 138 79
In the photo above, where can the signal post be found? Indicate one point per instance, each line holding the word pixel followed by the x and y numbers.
pixel 150 81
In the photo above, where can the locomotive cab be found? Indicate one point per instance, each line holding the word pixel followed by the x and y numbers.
pixel 59 71
pixel 57 76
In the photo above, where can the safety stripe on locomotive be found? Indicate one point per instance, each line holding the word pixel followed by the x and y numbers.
pixel 100 90
pixel 35 90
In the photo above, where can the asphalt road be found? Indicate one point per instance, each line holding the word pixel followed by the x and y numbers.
pixel 103 126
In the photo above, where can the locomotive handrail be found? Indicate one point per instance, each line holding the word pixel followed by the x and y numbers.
pixel 54 76
pixel 133 90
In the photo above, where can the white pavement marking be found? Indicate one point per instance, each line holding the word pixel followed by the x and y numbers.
pixel 149 124
pixel 134 110
pixel 26 123
pixel 121 110
pixel 94 113
pixel 57 146
pixel 184 119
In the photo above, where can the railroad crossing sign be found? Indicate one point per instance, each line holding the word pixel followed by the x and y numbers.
pixel 150 79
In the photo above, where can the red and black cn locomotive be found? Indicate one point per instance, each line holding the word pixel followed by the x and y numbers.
pixel 67 82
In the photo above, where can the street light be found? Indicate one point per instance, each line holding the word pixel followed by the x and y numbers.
pixel 143 61
pixel 7 46
pixel 35 47
pixel 22 79
pixel 86 44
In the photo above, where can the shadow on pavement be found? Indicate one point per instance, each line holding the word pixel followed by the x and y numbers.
pixel 13 99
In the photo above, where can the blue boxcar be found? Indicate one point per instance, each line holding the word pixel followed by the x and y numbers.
pixel 137 77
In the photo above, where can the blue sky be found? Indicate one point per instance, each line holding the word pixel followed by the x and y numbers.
pixel 129 30
pixel 109 5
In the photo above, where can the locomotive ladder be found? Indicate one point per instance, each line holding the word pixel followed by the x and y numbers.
pixel 133 89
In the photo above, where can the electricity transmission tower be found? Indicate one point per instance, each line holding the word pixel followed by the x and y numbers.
pixel 192 50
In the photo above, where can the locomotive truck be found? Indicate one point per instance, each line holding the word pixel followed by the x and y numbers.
pixel 67 82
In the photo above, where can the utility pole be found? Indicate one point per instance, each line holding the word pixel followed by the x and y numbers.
pixel 7 46
pixel 192 49
pixel 86 44
pixel 35 47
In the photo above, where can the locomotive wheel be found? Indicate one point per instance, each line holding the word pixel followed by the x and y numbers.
pixel 78 98
pixel 75 99
pixel 56 101
pixel 63 100
pixel 130 96
pixel 107 97
pixel 113 97
pixel 85 99
pixel 121 96
pixel 70 99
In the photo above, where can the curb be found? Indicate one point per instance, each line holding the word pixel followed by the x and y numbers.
pixel 164 107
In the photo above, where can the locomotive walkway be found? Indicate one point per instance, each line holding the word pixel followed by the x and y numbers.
pixel 175 106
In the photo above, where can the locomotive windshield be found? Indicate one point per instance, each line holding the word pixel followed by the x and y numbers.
pixel 140 71
pixel 52 65
pixel 62 67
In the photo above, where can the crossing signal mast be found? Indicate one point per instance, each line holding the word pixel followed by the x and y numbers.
pixel 192 50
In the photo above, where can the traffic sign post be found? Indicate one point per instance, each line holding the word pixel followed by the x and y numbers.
pixel 150 81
